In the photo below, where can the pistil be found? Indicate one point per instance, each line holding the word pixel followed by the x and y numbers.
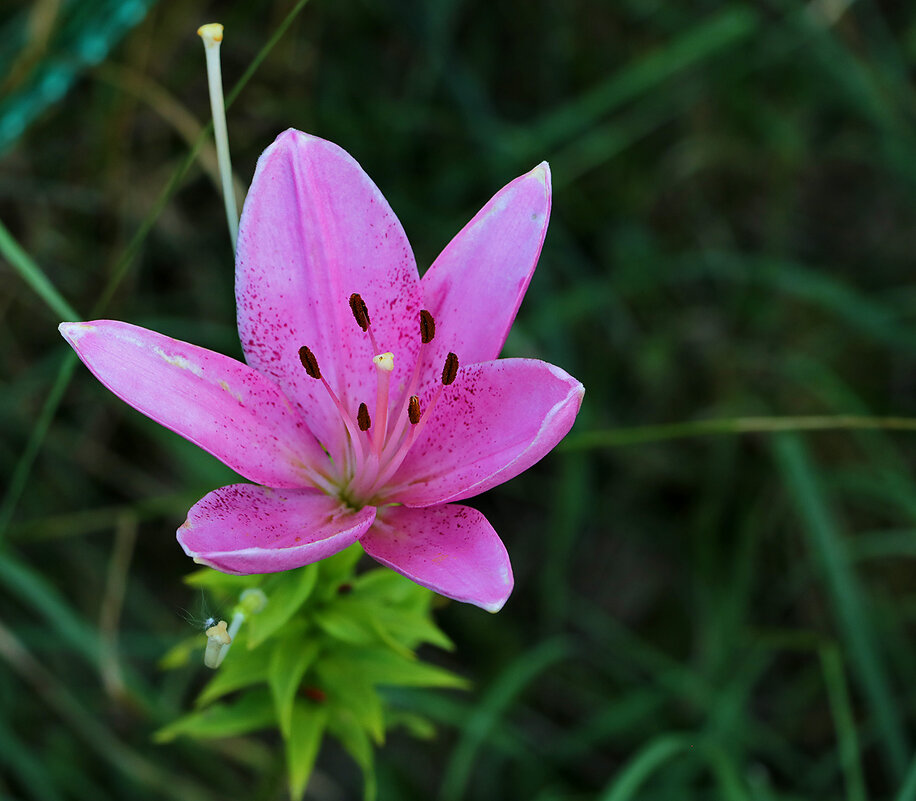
pixel 389 468
pixel 384 365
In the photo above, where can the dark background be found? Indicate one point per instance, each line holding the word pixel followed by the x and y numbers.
pixel 721 615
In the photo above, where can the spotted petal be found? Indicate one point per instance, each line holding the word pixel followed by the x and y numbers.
pixel 246 529
pixel 475 286
pixel 217 403
pixel 495 421
pixel 450 549
pixel 314 230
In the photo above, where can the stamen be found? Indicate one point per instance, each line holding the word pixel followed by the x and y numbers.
pixel 361 315
pixel 450 370
pixel 362 417
pixel 360 312
pixel 217 639
pixel 413 410
pixel 309 362
pixel 427 327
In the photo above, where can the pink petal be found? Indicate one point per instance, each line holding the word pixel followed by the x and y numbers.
pixel 315 229
pixel 215 402
pixel 475 287
pixel 246 529
pixel 450 549
pixel 495 421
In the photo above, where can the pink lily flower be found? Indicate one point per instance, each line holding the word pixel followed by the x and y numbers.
pixel 371 400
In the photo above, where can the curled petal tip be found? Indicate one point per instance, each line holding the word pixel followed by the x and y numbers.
pixel 73 331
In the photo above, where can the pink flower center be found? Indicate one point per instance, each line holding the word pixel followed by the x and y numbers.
pixel 379 442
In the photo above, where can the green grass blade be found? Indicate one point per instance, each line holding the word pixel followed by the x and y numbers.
pixel 725 30
pixel 515 678
pixel 844 722
pixel 663 432
pixel 20 476
pixel 849 603
pixel 908 790
pixel 32 274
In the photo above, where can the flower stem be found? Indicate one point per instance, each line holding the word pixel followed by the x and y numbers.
pixel 617 437
pixel 212 35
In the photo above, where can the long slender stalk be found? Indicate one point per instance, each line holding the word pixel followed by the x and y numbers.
pixel 635 435
pixel 212 36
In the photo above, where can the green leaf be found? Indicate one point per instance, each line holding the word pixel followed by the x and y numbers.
pixel 286 592
pixel 254 710
pixel 391 588
pixel 290 659
pixel 179 654
pixel 348 626
pixel 356 743
pixel 337 570
pixel 419 726
pixel 410 628
pixel 306 733
pixel 209 579
pixel 241 668
pixel 350 690
pixel 359 621
pixel 383 666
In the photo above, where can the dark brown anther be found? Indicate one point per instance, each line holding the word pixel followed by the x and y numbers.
pixel 309 362
pixel 362 417
pixel 450 371
pixel 413 410
pixel 427 326
pixel 360 312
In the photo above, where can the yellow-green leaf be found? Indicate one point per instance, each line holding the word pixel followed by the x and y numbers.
pixel 288 662
pixel 357 744
pixel 241 668
pixel 383 666
pixel 345 624
pixel 349 689
pixel 306 733
pixel 286 592
pixel 254 710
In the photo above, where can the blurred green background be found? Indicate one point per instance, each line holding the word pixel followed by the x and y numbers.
pixel 724 616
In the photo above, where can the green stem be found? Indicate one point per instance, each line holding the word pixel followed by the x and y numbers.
pixel 635 435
